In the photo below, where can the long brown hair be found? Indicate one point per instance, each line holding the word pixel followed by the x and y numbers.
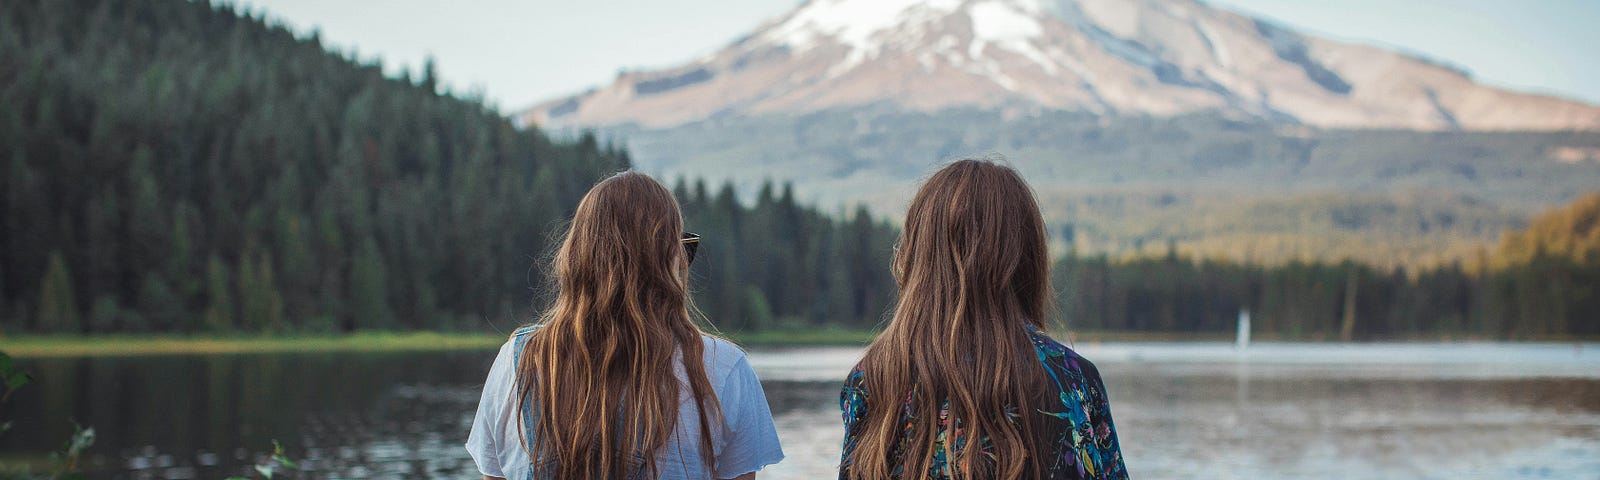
pixel 598 375
pixel 973 273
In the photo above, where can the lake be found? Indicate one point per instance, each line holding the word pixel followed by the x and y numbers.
pixel 1185 410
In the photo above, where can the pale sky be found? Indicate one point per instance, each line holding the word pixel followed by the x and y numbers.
pixel 519 52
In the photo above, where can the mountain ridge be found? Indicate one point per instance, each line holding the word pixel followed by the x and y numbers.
pixel 1110 57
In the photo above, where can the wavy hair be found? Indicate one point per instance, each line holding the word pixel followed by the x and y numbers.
pixel 599 374
pixel 973 273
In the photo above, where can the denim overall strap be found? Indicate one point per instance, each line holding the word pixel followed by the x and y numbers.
pixel 519 339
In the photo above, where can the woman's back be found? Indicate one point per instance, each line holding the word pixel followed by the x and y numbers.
pixel 961 384
pixel 1077 436
pixel 743 441
pixel 617 381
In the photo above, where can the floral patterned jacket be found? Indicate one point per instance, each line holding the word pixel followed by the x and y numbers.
pixel 1085 439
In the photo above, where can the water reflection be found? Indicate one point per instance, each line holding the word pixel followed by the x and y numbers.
pixel 201 416
pixel 1228 425
pixel 1483 412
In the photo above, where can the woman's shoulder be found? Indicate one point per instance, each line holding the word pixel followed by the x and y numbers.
pixel 721 356
pixel 520 336
pixel 1057 356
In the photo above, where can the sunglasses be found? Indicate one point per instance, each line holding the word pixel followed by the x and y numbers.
pixel 691 244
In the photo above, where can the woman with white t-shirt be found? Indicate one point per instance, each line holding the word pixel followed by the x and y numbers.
pixel 615 381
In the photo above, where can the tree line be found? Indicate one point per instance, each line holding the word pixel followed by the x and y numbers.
pixel 776 264
pixel 1540 283
pixel 181 167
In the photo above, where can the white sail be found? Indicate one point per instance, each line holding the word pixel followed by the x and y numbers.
pixel 1242 339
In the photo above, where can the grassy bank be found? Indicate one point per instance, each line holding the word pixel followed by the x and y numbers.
pixel 66 346
pixel 111 345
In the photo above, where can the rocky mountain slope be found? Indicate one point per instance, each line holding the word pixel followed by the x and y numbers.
pixel 1111 57
pixel 1140 123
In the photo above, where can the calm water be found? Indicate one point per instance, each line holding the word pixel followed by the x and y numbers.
pixel 1183 411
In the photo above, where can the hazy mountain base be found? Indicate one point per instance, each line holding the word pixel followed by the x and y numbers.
pixel 1244 189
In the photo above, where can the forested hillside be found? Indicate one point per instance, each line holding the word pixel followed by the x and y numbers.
pixel 1248 190
pixel 1541 283
pixel 174 166
pixel 1571 233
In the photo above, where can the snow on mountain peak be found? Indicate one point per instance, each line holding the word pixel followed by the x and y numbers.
pixel 866 27
pixel 997 21
pixel 1157 57
pixel 853 22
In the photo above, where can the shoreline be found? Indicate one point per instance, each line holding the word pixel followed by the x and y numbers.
pixel 43 346
pixel 46 346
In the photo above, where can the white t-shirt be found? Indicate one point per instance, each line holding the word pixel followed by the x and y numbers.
pixel 747 441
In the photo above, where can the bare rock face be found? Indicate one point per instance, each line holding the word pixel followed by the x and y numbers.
pixel 1151 57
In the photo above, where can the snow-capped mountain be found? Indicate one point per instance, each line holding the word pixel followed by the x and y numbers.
pixel 1157 57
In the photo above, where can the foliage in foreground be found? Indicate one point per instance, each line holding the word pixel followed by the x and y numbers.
pixel 64 463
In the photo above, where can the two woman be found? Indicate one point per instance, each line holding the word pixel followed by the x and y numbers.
pixel 616 382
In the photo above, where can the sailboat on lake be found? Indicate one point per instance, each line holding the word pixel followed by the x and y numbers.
pixel 1241 340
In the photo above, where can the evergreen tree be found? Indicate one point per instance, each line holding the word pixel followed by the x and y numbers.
pixel 163 309
pixel 261 306
pixel 430 76
pixel 58 307
pixel 220 313
pixel 106 316
pixel 368 291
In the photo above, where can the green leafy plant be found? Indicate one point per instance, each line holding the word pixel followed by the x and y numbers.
pixel 270 468
pixel 64 463
pixel 13 380
pixel 66 460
